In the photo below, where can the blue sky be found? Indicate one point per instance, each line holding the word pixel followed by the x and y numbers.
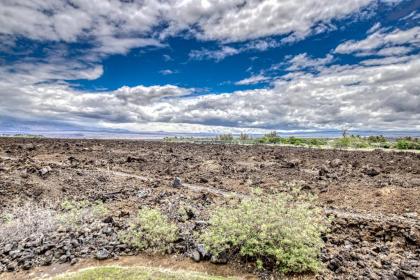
pixel 210 66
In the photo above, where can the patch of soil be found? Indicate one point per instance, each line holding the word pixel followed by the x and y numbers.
pixel 373 194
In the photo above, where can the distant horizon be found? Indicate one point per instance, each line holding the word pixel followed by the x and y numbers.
pixel 148 135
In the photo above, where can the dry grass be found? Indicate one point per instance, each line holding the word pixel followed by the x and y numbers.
pixel 32 220
pixel 28 220
pixel 137 273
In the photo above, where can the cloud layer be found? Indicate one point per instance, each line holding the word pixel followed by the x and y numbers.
pixel 380 92
pixel 116 26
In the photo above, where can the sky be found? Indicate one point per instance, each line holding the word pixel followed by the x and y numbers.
pixel 209 66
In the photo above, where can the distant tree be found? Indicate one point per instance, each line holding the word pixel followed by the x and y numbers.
pixel 225 137
pixel 244 136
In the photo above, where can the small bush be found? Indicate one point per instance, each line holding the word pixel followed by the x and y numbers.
pixel 404 144
pixel 294 141
pixel 281 232
pixel 150 230
pixel 351 142
pixel 376 139
pixel 270 138
pixel 76 213
pixel 316 142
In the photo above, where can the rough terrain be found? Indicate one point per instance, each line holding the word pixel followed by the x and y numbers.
pixel 374 197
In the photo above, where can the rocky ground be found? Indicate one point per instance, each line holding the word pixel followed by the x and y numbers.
pixel 374 197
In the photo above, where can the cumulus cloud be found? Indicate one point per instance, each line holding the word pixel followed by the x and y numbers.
pixel 113 26
pixel 382 96
pixel 390 42
pixel 239 20
pixel 116 26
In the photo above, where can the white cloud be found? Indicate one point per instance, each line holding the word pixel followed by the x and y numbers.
pixel 381 39
pixel 113 45
pixel 226 50
pixel 374 28
pixel 167 72
pixel 113 25
pixel 117 26
pixel 217 55
pixel 239 20
pixel 167 57
pixel 386 60
pixel 384 96
pixel 256 79
pixel 303 61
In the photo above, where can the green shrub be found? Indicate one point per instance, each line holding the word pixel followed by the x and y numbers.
pixel 304 141
pixel 270 138
pixel 316 142
pixel 294 141
pixel 76 213
pixel 281 231
pixel 150 230
pixel 404 144
pixel 376 139
pixel 351 142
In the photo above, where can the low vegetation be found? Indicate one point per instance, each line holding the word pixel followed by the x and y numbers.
pixel 20 135
pixel 345 142
pixel 272 138
pixel 26 220
pixel 34 220
pixel 351 142
pixel 150 230
pixel 280 231
pixel 136 273
pixel 225 137
pixel 408 143
pixel 76 213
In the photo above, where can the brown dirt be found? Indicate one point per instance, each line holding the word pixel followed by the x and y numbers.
pixel 170 262
pixel 126 174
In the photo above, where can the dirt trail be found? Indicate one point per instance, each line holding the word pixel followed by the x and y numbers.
pixel 173 263
pixel 342 213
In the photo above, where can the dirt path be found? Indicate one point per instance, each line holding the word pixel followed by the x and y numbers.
pixel 341 213
pixel 173 263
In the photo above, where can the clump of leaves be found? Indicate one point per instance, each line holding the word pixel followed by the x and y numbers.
pixel 280 231
pixel 150 230
pixel 351 142
pixel 407 144
pixel 76 213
